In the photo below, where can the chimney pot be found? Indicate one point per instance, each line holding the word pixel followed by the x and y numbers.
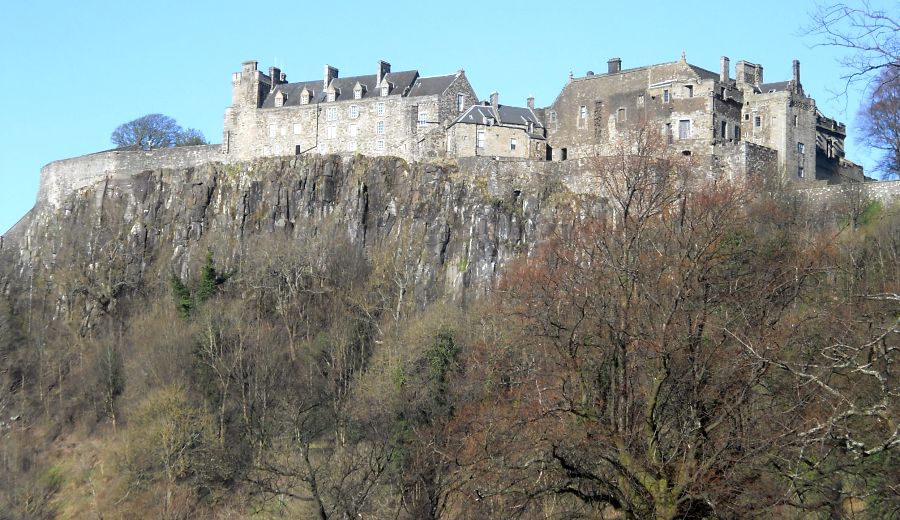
pixel 531 102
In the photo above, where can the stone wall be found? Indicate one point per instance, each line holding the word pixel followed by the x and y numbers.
pixel 61 178
pixel 886 192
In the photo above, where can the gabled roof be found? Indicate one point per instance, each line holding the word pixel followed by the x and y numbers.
pixel 401 81
pixel 432 85
pixel 520 116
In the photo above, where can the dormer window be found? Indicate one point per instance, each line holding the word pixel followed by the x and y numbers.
pixel 280 98
pixel 385 90
pixel 530 127
pixel 304 97
pixel 358 90
pixel 332 96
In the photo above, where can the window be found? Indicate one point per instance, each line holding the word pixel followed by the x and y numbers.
pixel 354 111
pixel 297 128
pixel 666 96
pixel 800 172
pixel 801 148
pixel 384 91
pixel 724 133
pixel 689 90
pixel 552 116
pixel 757 121
pixel 684 129
pixel 512 144
pixel 479 138
pixel 640 100
pixel 796 120
pixel 331 114
pixel 379 127
pixel 321 148
pixel 279 99
pixel 582 112
pixel 273 130
pixel 620 115
pixel 379 144
pixel 357 94
pixel 331 96
pixel 379 108
pixel 423 117
pixel 669 133
pixel 353 130
pixel 737 132
pixel 304 97
pixel 460 102
pixel 331 132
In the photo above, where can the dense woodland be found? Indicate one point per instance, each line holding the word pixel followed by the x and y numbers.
pixel 706 348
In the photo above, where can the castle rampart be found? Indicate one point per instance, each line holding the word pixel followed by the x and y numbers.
pixel 62 178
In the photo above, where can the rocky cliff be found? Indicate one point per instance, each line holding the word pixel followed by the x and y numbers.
pixel 453 229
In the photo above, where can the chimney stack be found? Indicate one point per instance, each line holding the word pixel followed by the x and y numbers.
pixel 330 74
pixel 797 73
pixel 725 70
pixel 384 68
pixel 275 76
pixel 495 100
pixel 615 65
pixel 531 102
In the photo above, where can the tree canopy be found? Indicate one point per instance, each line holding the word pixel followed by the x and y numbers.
pixel 155 131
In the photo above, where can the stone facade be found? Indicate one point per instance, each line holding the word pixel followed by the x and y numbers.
pixel 703 113
pixel 398 114
pixel 495 130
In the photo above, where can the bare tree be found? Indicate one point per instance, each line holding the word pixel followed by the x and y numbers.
pixel 880 121
pixel 155 131
pixel 867 32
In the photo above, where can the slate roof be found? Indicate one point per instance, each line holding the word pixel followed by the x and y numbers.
pixel 432 85
pixel 405 83
pixel 520 116
pixel 777 86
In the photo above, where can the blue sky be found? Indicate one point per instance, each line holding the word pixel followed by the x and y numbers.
pixel 73 71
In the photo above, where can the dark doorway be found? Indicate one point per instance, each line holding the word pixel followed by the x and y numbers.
pixel 549 153
pixel 563 154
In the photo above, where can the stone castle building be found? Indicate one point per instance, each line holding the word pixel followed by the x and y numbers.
pixel 739 122
pixel 387 113
pixel 726 124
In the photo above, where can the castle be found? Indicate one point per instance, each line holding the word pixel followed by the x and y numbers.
pixel 727 124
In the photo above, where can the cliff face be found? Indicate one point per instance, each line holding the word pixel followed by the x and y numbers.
pixel 451 232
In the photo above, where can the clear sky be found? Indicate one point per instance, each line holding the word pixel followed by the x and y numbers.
pixel 74 70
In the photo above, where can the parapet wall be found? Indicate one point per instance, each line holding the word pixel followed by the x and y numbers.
pixel 886 192
pixel 59 179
